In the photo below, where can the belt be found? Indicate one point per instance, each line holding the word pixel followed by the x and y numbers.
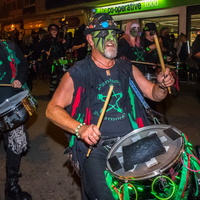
pixel 108 141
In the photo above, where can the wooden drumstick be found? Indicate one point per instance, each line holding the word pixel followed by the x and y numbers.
pixel 10 85
pixel 154 64
pixel 160 56
pixel 102 113
pixel 29 54
pixel 49 51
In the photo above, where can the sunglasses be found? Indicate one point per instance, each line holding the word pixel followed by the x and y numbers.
pixel 53 29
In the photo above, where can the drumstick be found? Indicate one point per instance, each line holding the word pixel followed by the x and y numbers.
pixel 49 51
pixel 154 64
pixel 29 54
pixel 160 56
pixel 6 85
pixel 145 63
pixel 102 113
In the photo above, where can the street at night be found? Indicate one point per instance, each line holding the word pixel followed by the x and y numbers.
pixel 45 173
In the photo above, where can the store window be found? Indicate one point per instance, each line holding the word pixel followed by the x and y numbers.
pixel 195 27
pixel 193 22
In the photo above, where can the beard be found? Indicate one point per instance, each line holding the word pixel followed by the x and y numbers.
pixel 110 53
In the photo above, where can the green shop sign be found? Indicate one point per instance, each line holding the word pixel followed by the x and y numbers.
pixel 137 6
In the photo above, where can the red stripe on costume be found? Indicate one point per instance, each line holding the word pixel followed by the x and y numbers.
pixel 13 69
pixel 88 116
pixel 139 122
pixel 76 101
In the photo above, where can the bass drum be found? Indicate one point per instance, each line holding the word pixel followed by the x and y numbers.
pixel 16 110
pixel 149 158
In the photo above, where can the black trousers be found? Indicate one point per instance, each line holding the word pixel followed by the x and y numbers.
pixel 92 176
pixel 12 159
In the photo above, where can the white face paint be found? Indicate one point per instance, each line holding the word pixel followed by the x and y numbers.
pixel 135 30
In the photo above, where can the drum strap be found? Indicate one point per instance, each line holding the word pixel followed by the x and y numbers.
pixel 144 103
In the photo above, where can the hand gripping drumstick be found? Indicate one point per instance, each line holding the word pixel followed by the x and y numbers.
pixel 102 113
pixel 160 57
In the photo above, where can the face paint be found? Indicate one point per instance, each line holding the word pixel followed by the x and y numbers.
pixel 105 41
pixel 152 32
pixel 135 30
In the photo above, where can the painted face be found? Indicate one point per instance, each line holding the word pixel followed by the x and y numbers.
pixel 105 41
pixel 151 32
pixel 135 30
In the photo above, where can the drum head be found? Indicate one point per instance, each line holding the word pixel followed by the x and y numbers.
pixel 145 152
pixel 11 102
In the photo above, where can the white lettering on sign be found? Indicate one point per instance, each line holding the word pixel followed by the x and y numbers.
pixel 151 3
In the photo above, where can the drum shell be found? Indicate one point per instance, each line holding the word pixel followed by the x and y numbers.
pixel 17 114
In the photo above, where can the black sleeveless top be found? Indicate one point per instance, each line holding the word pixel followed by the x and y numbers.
pixel 115 121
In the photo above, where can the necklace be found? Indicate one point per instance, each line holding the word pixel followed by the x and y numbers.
pixel 107 71
pixel 103 63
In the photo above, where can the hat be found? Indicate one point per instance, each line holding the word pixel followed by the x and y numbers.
pixel 101 21
pixel 150 26
pixel 49 27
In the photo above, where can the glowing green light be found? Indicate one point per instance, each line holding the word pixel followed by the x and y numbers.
pixel 140 189
pixel 189 144
pixel 115 183
pixel 130 188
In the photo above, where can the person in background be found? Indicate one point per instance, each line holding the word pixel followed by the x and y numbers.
pixel 14 70
pixel 196 55
pixel 129 45
pixel 51 47
pixel 78 101
pixel 184 51
pixel 167 45
pixel 65 34
pixel 149 45
pixel 80 43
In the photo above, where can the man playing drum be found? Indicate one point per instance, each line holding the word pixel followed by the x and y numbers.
pixel 77 104
pixel 13 75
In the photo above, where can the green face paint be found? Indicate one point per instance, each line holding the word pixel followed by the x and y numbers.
pixel 105 41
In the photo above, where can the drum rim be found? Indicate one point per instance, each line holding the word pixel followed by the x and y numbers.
pixel 156 172
pixel 13 106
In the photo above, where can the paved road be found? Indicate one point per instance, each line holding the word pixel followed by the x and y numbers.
pixel 45 173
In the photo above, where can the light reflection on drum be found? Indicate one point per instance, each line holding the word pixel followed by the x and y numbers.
pixel 15 110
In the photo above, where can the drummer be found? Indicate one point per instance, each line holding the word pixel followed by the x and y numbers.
pixel 13 75
pixel 78 101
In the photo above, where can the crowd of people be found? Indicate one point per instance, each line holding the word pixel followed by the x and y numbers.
pixel 50 52
pixel 78 89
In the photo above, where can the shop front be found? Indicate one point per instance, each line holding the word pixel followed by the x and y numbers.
pixel 173 14
pixel 72 19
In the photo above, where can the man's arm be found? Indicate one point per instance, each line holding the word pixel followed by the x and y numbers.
pixel 155 92
pixel 58 115
pixel 22 67
pixel 197 55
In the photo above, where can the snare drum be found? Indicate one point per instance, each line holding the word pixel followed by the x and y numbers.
pixel 148 158
pixel 16 110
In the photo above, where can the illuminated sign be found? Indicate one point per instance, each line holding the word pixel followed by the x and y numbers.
pixel 130 7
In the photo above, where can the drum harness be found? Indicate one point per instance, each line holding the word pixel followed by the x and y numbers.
pixel 149 111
